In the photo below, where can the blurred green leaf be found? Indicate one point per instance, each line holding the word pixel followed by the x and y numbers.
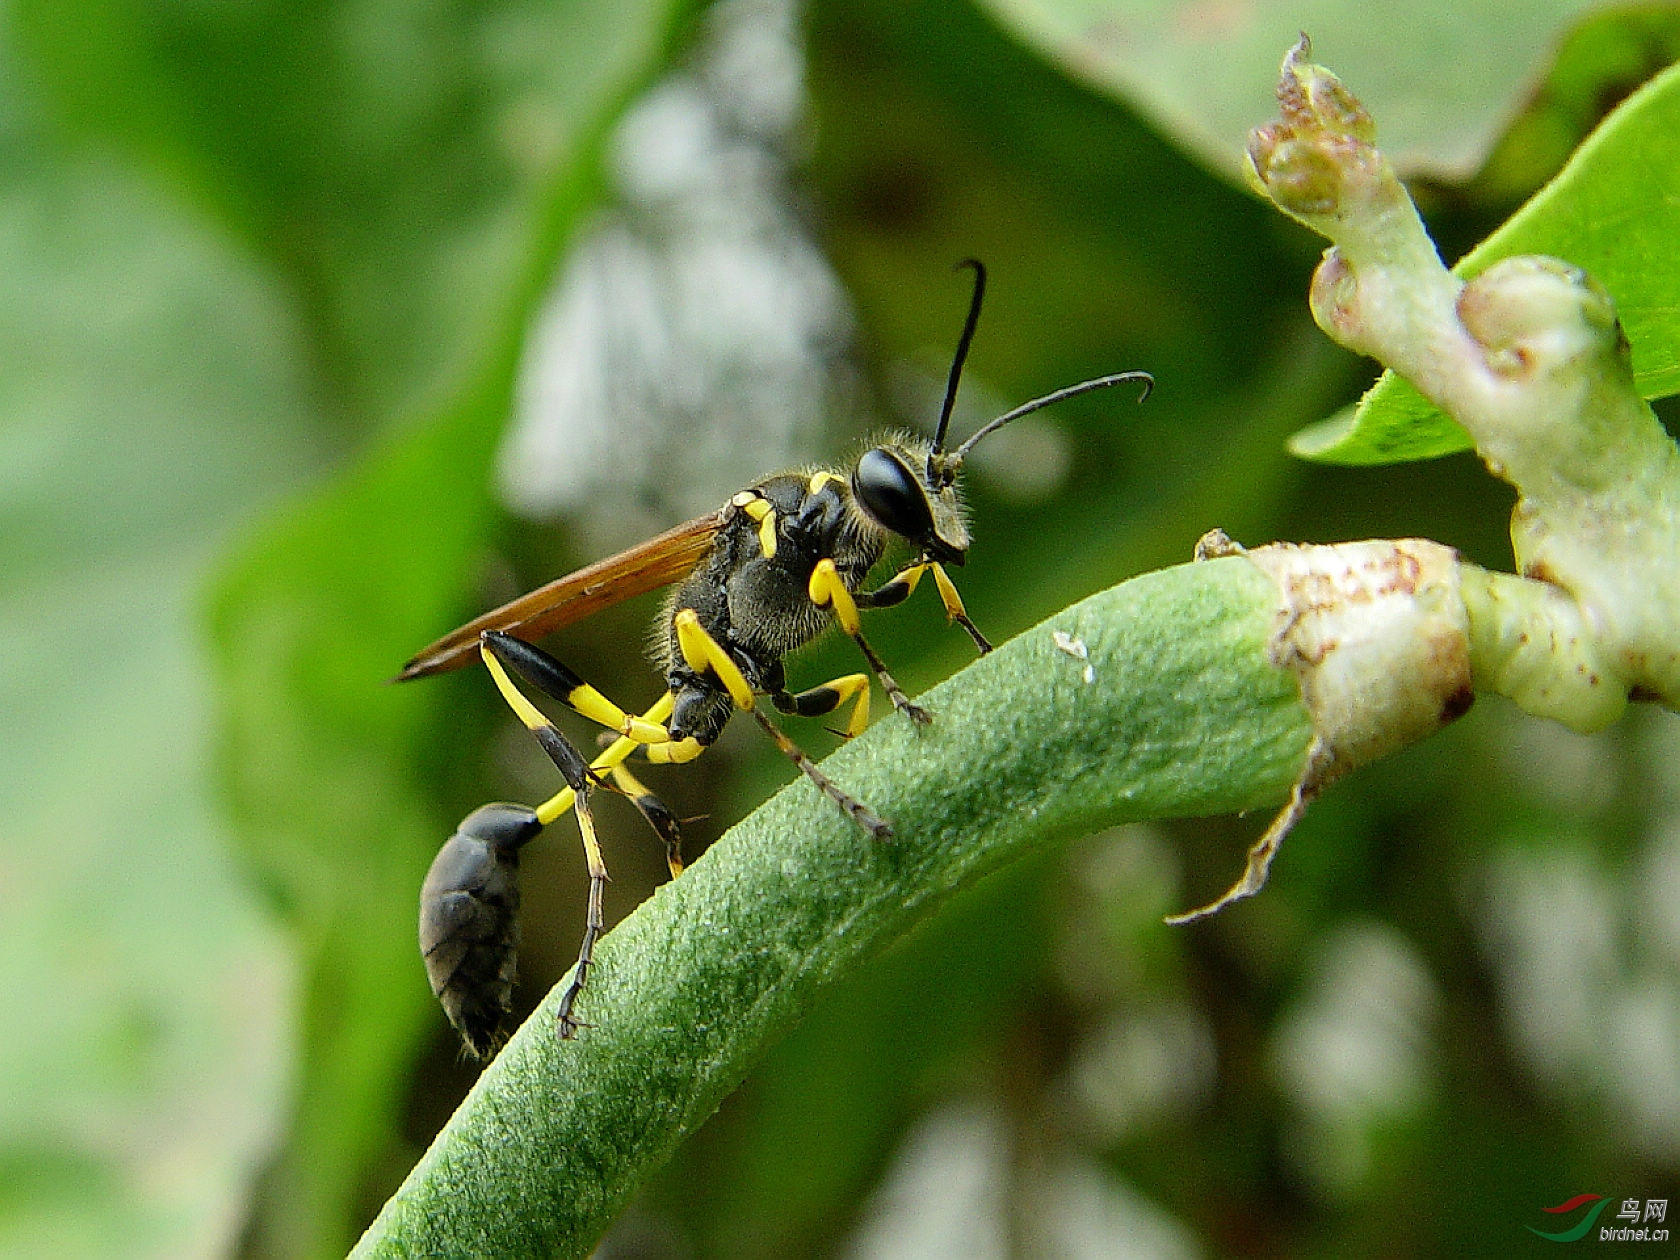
pixel 1205 73
pixel 392 162
pixel 331 771
pixel 1601 60
pixel 320 757
pixel 1613 211
pixel 239 238
pixel 149 404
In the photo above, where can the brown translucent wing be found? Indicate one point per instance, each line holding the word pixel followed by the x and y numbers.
pixel 645 567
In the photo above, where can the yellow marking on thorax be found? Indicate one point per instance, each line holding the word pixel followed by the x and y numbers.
pixel 762 511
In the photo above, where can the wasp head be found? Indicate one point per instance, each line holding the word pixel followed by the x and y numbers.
pixel 911 490
pixel 909 486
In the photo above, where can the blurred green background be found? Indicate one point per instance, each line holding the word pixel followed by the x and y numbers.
pixel 324 326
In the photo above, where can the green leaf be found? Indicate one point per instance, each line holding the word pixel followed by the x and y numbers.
pixel 144 1071
pixel 1205 73
pixel 1614 210
pixel 1182 716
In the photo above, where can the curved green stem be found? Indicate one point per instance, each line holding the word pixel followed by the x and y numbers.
pixel 1179 714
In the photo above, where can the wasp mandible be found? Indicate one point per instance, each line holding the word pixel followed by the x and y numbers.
pixel 764 574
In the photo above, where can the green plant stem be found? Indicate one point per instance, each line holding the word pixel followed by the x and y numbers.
pixel 1182 716
pixel 1528 356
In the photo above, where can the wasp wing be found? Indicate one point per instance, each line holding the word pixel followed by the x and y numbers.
pixel 645 567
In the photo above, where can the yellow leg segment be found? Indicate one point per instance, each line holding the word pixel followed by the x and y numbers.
pixel 858 684
pixel 828 591
pixel 903 584
pixel 674 752
pixel 583 699
pixel 637 732
pixel 908 578
pixel 528 713
pixel 954 609
pixel 611 756
pixel 597 708
pixel 703 654
pixel 830 696
pixel 947 592
pixel 664 823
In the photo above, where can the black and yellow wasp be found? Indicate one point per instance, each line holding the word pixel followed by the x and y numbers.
pixel 764 574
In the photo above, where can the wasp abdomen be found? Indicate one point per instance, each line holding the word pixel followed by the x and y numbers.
pixel 469 925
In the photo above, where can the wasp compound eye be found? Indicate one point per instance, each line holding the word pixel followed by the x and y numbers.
pixel 892 494
pixel 469 926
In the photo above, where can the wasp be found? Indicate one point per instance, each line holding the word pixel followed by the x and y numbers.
pixel 764 574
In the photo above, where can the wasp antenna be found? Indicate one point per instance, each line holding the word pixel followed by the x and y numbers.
pixel 961 356
pixel 1061 395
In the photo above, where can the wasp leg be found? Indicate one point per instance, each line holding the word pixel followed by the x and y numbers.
pixel 829 697
pixel 565 1023
pixel 658 815
pixel 954 610
pixel 704 653
pixel 580 776
pixel 828 591
pixel 898 588
pixel 655 811
pixel 469 905
pixel 853 808
pixel 613 755
pixel 552 678
pixel 674 752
